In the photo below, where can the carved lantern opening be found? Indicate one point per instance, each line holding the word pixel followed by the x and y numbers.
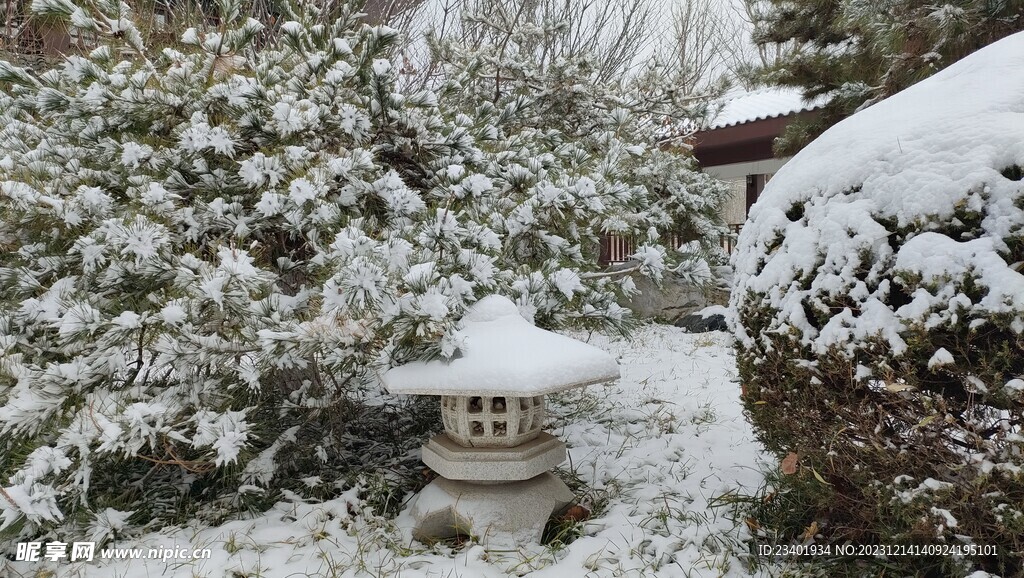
pixel 484 421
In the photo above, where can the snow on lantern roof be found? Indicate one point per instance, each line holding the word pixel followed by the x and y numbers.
pixel 505 354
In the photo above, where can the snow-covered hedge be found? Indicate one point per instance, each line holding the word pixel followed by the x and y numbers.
pixel 879 309
pixel 203 250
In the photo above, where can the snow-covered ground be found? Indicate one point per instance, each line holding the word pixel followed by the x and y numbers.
pixel 656 450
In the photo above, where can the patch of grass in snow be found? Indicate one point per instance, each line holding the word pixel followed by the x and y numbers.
pixel 705 340
pixel 561 531
pixel 657 417
pixel 384 492
pixel 581 405
pixel 565 527
pixel 704 415
pixel 231 544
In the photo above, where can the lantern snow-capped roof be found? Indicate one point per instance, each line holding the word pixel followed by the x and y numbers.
pixel 505 354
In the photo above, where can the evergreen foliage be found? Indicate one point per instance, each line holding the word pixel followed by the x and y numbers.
pixel 208 249
pixel 640 120
pixel 857 52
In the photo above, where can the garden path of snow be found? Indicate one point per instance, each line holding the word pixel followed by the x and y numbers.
pixel 659 446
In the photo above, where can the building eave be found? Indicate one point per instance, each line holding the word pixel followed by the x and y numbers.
pixel 745 142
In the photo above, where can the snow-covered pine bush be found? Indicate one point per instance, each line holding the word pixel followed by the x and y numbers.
pixel 206 248
pixel 879 309
pixel 533 76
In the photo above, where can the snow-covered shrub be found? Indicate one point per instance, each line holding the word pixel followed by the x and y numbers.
pixel 205 249
pixel 506 64
pixel 879 310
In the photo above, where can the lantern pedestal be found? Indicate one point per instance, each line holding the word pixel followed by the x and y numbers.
pixel 505 514
pixel 525 461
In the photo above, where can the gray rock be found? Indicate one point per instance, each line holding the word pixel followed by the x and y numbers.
pixel 672 299
pixel 695 323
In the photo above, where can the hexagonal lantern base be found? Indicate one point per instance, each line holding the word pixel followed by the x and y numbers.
pixel 498 515
pixel 455 462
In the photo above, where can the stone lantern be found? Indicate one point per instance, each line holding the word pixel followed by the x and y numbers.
pixel 493 460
